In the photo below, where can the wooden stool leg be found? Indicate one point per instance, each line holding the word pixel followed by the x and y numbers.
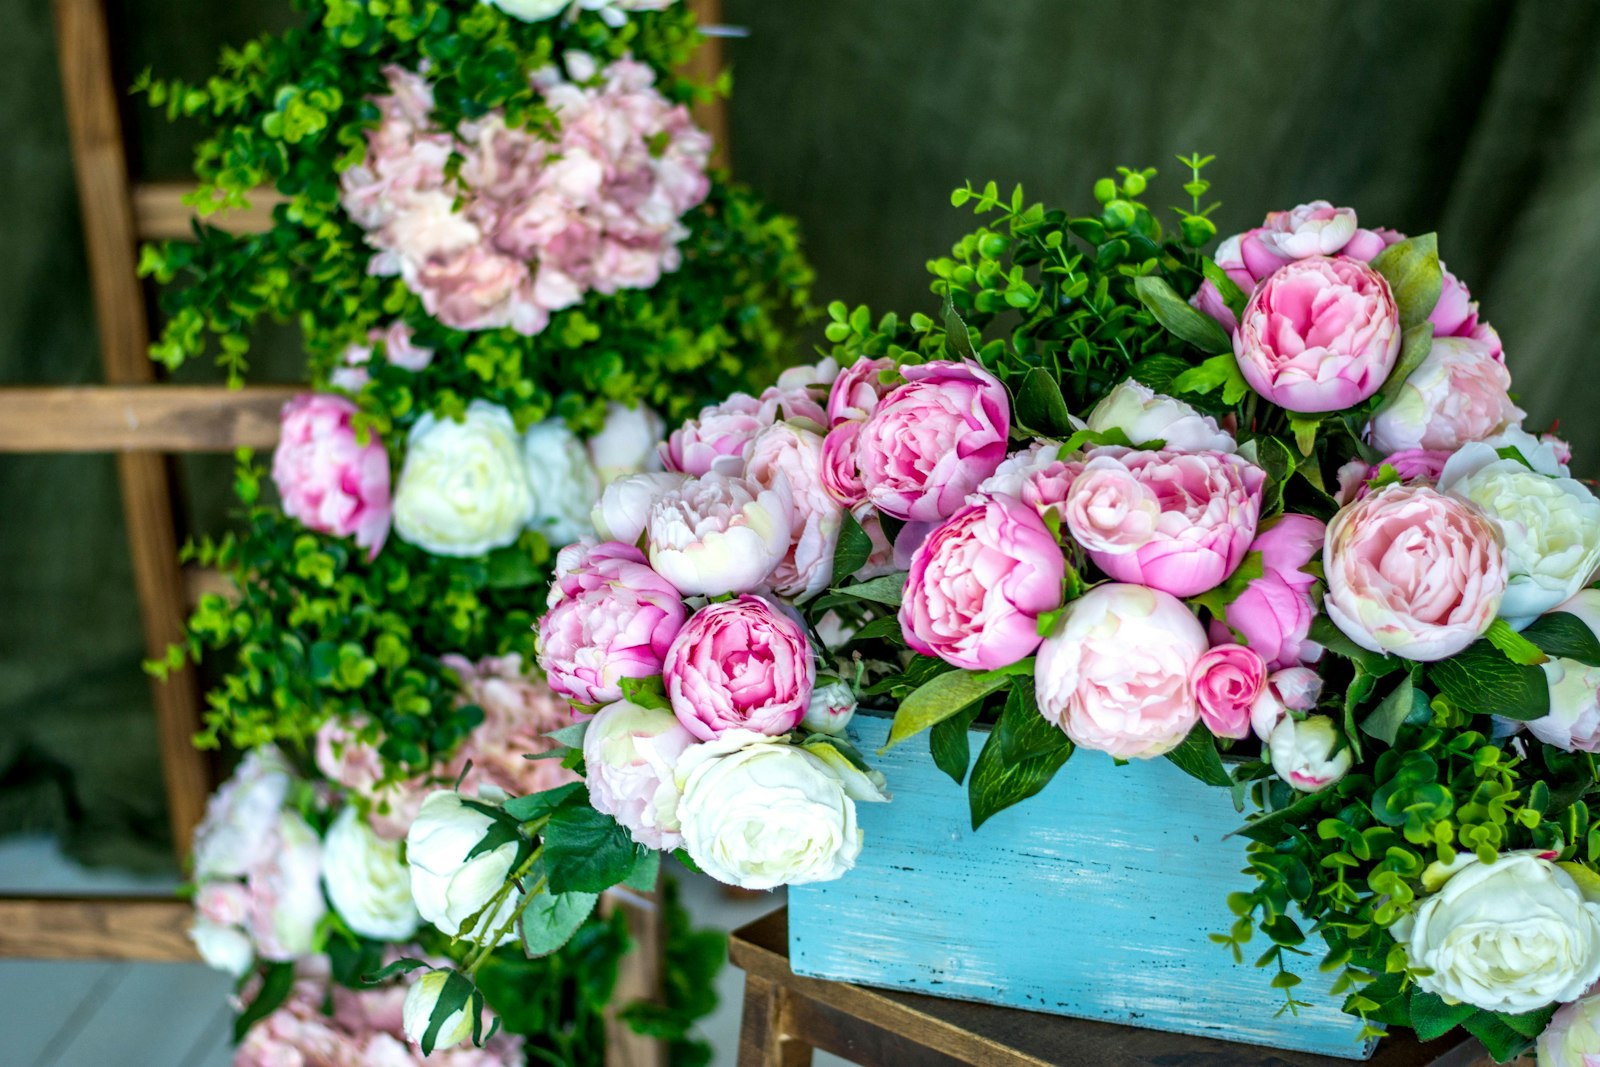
pixel 764 1040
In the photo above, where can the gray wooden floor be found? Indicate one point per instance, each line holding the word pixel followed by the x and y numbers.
pixel 175 1015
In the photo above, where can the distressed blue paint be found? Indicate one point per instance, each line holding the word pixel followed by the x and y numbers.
pixel 1093 899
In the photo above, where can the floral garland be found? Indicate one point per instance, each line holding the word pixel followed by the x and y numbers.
pixel 503 248
pixel 1276 503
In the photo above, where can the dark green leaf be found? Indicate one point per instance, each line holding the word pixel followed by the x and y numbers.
pixel 1197 757
pixel 1501 1041
pixel 1385 720
pixel 949 744
pixel 886 589
pixel 549 920
pixel 586 852
pixel 1329 636
pixel 275 987
pixel 1563 634
pixel 403 965
pixel 958 337
pixel 1040 406
pixel 1173 312
pixel 1480 680
pixel 1412 270
pixel 1022 754
pixel 535 805
pixel 646 871
pixel 1158 371
pixel 939 698
pixel 1270 828
pixel 1431 1017
pixel 352 959
pixel 853 549
pixel 885 627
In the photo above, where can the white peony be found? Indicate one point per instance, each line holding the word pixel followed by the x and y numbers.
pixel 629 752
pixel 1574 719
pixel 1308 753
pixel 367 881
pixel 1573 1037
pixel 417 1012
pixel 760 813
pixel 563 482
pixel 623 510
pixel 242 816
pixel 1551 527
pixel 1146 415
pixel 286 904
pixel 627 443
pixel 448 888
pixel 717 534
pixel 463 489
pixel 226 948
pixel 1510 936
pixel 833 705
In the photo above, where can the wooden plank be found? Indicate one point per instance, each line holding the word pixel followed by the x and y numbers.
pixel 1110 870
pixel 704 66
pixel 140 418
pixel 638 978
pixel 101 168
pixel 160 213
pixel 934 1030
pixel 96 928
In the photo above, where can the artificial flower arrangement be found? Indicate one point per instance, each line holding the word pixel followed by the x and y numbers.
pixel 506 252
pixel 1269 513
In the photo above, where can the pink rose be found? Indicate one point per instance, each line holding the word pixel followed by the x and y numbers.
pixel 1038 475
pixel 1273 615
pixel 740 665
pixel 785 452
pixel 1410 466
pixel 1291 689
pixel 1319 335
pixel 1227 680
pixel 1367 244
pixel 519 709
pixel 328 479
pixel 611 617
pixel 1459 394
pixel 978 585
pixel 719 439
pixel 933 439
pixel 1413 572
pixel 840 475
pixel 1210 504
pixel 858 389
pixel 1115 675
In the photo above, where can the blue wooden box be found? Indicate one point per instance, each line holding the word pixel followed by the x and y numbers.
pixel 1092 899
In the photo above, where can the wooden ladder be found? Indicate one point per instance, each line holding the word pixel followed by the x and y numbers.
pixel 143 423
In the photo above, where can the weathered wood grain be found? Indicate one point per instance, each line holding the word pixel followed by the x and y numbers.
pixel 884 1028
pixel 139 418
pixel 1093 899
pixel 96 928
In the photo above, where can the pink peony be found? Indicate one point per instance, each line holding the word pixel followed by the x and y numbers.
pixel 933 439
pixel 740 665
pixel 611 617
pixel 1412 465
pixel 841 477
pixel 1413 572
pixel 1038 475
pixel 1109 509
pixel 719 439
pixel 1314 229
pixel 796 457
pixel 1227 681
pixel 1319 335
pixel 328 479
pixel 858 390
pixel 519 709
pixel 629 753
pixel 1116 673
pixel 1459 394
pixel 1209 506
pixel 1273 615
pixel 978 585
pixel 719 534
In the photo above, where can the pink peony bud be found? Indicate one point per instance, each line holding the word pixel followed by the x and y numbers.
pixel 740 665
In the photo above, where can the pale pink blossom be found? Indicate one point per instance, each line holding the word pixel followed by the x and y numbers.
pixel 794 456
pixel 1459 394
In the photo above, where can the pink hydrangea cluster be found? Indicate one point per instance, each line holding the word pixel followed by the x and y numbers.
pixel 365 1028
pixel 535 220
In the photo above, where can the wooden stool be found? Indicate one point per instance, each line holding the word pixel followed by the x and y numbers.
pixel 786 1016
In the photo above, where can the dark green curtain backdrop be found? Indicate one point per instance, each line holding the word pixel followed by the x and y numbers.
pixel 1478 119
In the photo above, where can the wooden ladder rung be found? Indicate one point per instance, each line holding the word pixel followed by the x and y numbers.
pixel 96 928
pixel 140 418
pixel 159 212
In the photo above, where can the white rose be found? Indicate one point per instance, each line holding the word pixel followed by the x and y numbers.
pixel 242 816
pixel 624 507
pixel 629 753
pixel 1509 936
pixel 1573 1037
pixel 421 999
pixel 1551 528
pixel 832 707
pixel 1146 415
pixel 447 887
pixel 367 881
pixel 463 489
pixel 1308 753
pixel 627 443
pixel 563 482
pixel 531 10
pixel 717 534
pixel 759 813
pixel 226 948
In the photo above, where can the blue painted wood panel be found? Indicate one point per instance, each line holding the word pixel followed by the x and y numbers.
pixel 1092 899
